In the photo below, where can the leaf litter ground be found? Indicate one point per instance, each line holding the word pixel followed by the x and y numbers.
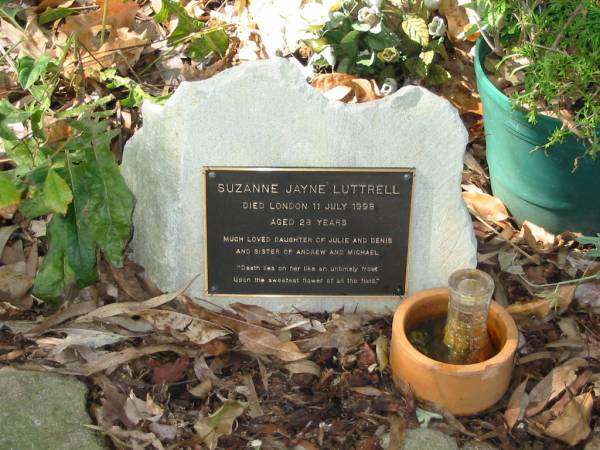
pixel 168 372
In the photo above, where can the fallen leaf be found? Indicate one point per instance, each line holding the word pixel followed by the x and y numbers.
pixel 355 90
pixel 87 338
pixel 130 308
pixel 342 340
pixel 121 50
pixel 485 206
pixel 552 385
pixel 5 233
pixel 543 307
pixel 115 359
pixel 211 428
pixel 304 366
pixel 382 348
pixel 201 390
pixel 588 295
pixel 62 315
pixel 126 279
pixel 369 391
pixel 182 327
pixel 30 41
pixel 537 238
pixel 254 408
pixel 456 18
pixel 138 410
pixel 267 344
pixel 220 319
pixel 170 372
pixel 257 315
pixel 517 403
pixel 119 14
pixel 14 281
pixel 573 425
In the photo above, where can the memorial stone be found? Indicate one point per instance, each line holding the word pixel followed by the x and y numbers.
pixel 279 197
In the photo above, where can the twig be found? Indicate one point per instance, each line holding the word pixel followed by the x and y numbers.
pixel 580 8
pixel 508 241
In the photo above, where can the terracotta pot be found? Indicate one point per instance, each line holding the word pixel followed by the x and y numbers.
pixel 462 389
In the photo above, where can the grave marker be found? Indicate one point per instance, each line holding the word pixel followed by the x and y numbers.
pixel 263 115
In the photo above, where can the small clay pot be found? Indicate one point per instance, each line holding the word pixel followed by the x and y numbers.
pixel 462 389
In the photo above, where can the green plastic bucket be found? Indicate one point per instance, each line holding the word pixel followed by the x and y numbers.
pixel 536 185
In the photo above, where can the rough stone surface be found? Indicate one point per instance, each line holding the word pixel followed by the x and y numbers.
pixel 264 114
pixel 44 411
pixel 426 439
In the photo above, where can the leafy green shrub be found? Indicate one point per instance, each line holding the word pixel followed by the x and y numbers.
pixel 392 40
pixel 76 180
pixel 554 49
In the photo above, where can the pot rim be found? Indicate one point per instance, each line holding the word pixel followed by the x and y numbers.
pixel 399 334
pixel 498 95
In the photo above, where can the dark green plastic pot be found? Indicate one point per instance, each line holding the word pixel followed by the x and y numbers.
pixel 535 185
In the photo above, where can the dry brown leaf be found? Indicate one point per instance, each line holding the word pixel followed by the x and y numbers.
pixel 588 295
pixel 65 313
pixel 126 279
pixel 516 405
pixel 552 385
pixel 201 390
pixel 461 95
pixel 485 206
pixel 115 309
pixel 120 14
pixel 267 344
pixel 573 425
pixel 31 264
pixel 182 327
pixel 220 319
pixel 138 410
pixel 304 366
pixel 343 340
pixel 83 337
pixel 14 281
pixel 45 4
pixel 114 359
pixel 456 17
pixel 121 50
pixel 369 391
pixel 31 41
pixel 537 238
pixel 254 408
pixel 356 90
pixel 257 315
pixel 541 308
pixel 5 233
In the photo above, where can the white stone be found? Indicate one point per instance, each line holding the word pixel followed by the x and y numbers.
pixel 264 114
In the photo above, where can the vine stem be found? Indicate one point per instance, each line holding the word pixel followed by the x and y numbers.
pixel 560 283
pixel 104 18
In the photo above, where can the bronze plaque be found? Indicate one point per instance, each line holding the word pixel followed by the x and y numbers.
pixel 312 231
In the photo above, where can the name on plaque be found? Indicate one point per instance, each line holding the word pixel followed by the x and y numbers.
pixel 309 231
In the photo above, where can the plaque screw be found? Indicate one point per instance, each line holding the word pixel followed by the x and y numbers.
pixel 213 288
pixel 211 175
pixel 407 176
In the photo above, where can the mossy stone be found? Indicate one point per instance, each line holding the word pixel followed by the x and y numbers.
pixel 44 411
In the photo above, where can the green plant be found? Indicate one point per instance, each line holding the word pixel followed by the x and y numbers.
pixel 76 180
pixel 199 40
pixel 550 51
pixel 393 40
